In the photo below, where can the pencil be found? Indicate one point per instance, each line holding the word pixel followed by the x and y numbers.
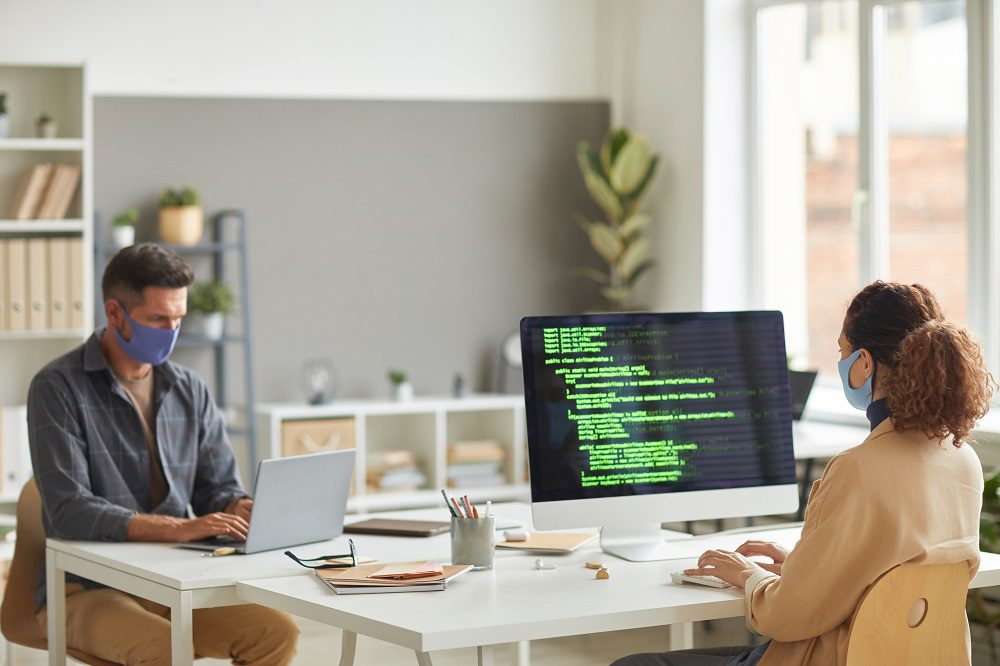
pixel 458 509
pixel 448 504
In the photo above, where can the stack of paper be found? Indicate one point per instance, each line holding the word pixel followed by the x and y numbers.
pixel 399 577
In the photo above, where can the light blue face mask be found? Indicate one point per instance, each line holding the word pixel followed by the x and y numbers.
pixel 859 397
pixel 148 344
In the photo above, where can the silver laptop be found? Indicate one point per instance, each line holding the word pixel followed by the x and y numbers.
pixel 296 500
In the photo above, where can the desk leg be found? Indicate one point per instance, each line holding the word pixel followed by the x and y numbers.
pixel 520 653
pixel 423 658
pixel 682 636
pixel 348 647
pixel 181 631
pixel 485 654
pixel 55 592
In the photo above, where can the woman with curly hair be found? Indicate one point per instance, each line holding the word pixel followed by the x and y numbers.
pixel 910 493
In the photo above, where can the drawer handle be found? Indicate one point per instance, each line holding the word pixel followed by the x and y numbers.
pixel 309 444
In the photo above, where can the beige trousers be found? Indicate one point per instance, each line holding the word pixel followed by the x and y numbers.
pixel 128 630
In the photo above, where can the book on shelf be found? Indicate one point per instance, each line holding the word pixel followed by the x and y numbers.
pixel 45 192
pixel 30 191
pixel 394 469
pixel 59 192
pixel 475 451
pixel 420 576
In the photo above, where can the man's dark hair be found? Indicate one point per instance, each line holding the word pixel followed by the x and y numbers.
pixel 144 265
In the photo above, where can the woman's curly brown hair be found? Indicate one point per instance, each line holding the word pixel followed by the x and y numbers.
pixel 939 383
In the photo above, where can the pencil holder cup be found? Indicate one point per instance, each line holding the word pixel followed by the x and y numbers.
pixel 472 541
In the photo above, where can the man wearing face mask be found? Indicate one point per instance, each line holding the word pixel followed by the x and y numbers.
pixel 122 442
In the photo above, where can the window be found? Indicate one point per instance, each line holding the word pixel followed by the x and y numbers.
pixel 860 162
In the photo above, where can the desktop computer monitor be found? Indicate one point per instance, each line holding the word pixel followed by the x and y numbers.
pixel 635 419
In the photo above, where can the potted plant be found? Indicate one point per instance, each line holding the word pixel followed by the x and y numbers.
pixel 45 126
pixel 182 221
pixel 209 302
pixel 401 388
pixel 123 228
pixel 617 178
pixel 4 121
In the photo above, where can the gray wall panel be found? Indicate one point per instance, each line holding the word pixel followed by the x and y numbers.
pixel 382 234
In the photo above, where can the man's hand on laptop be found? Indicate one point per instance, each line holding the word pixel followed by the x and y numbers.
pixel 150 527
pixel 213 524
pixel 240 507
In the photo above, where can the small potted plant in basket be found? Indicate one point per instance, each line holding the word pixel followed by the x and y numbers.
pixel 123 228
pixel 182 221
pixel 208 305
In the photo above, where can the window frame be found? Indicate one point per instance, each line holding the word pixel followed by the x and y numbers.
pixel 871 200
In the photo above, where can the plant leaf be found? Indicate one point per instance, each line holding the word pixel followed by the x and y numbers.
pixel 582 222
pixel 633 256
pixel 613 143
pixel 595 275
pixel 587 159
pixel 605 241
pixel 602 193
pixel 617 295
pixel 640 269
pixel 631 165
pixel 634 198
pixel 634 225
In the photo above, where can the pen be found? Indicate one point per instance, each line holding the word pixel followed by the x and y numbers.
pixel 448 504
pixel 489 507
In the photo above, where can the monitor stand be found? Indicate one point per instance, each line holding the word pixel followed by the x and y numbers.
pixel 643 543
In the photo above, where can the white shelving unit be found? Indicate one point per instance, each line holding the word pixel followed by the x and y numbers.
pixel 425 425
pixel 60 90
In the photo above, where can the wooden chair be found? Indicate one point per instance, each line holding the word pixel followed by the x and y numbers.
pixel 912 615
pixel 17 613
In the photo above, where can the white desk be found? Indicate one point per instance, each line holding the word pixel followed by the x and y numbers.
pixel 184 580
pixel 180 579
pixel 515 603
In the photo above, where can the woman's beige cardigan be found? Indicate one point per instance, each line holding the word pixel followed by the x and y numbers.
pixel 897 498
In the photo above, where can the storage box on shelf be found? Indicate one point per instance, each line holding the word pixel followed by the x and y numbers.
pixel 405 444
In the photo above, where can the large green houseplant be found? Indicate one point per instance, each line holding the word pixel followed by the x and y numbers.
pixel 617 178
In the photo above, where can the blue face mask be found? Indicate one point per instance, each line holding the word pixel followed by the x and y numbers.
pixel 859 397
pixel 148 344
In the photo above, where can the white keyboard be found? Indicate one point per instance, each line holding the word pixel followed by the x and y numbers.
pixel 680 577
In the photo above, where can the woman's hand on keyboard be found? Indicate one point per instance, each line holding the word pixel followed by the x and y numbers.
pixel 725 565
pixel 766 549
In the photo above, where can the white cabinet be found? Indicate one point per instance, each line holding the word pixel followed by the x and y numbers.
pixel 45 264
pixel 424 427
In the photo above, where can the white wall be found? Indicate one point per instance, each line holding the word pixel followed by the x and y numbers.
pixel 652 58
pixel 659 91
pixel 367 49
pixel 679 76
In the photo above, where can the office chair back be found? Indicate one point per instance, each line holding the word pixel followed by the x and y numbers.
pixel 912 615
pixel 17 612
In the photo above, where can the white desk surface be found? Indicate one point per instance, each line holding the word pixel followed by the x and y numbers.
pixel 514 602
pixel 184 569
